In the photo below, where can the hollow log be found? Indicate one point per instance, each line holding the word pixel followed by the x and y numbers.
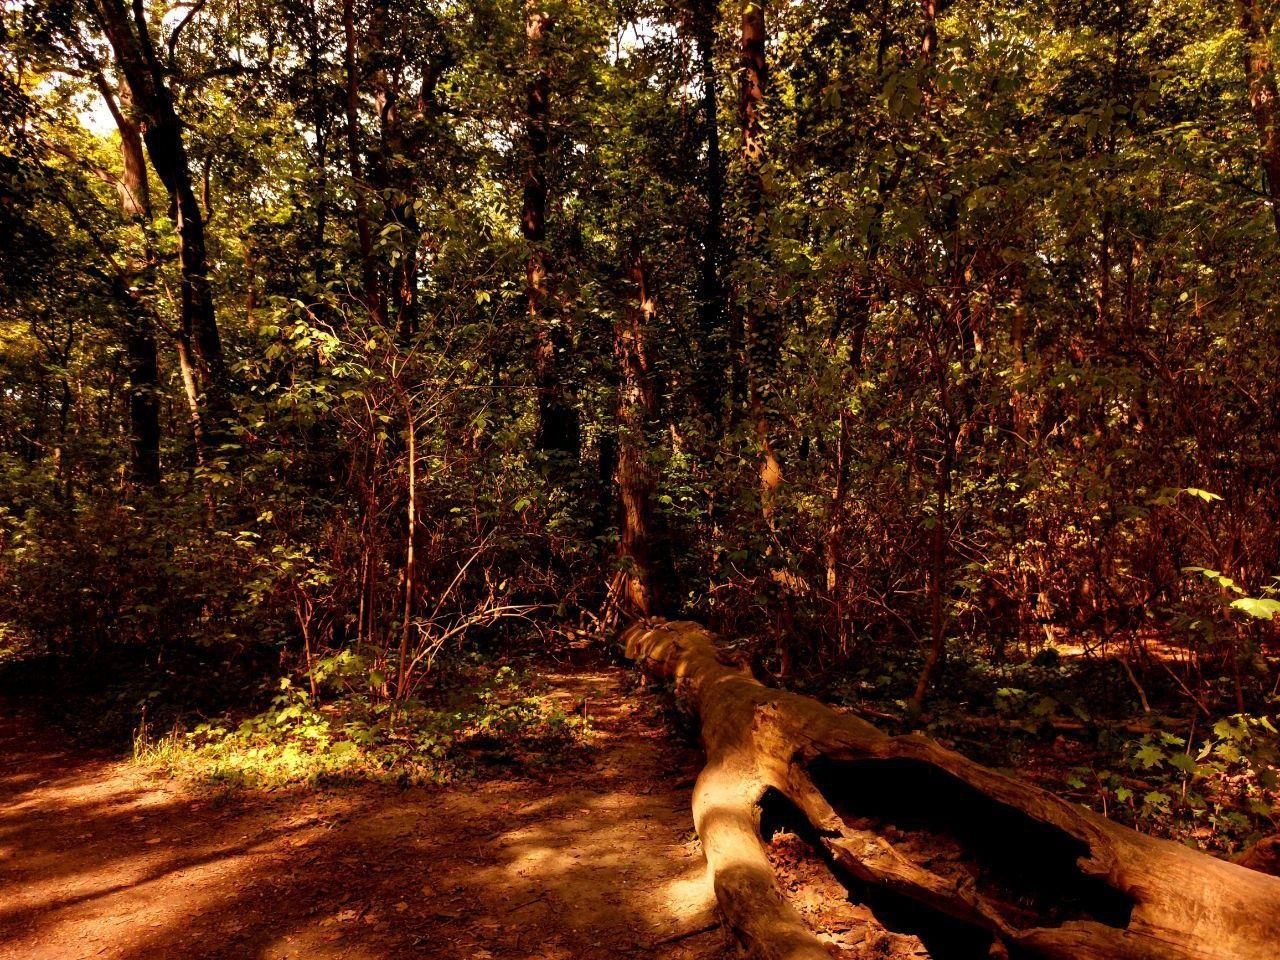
pixel 1097 890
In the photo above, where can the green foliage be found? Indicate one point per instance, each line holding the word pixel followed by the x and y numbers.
pixel 1005 316
pixel 501 720
pixel 1219 793
pixel 1257 607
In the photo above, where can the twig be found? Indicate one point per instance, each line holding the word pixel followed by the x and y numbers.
pixel 1194 699
pixel 521 906
pixel 687 935
pixel 1133 678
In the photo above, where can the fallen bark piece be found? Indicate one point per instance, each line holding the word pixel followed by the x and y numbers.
pixel 1263 855
pixel 1035 877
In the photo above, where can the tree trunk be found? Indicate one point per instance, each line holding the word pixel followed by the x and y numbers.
pixel 144 400
pixel 134 189
pixel 191 390
pixel 410 562
pixel 372 291
pixel 1263 95
pixel 711 298
pixel 939 548
pixel 928 44
pixel 1086 888
pixel 558 431
pixel 393 165
pixel 760 322
pixel 140 335
pixel 320 131
pixel 139 64
pixel 958 316
pixel 641 585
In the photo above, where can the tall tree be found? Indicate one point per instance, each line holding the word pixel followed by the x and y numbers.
pixel 558 429
pixel 139 63
pixel 1264 97
pixel 703 17
pixel 140 335
pixel 371 288
pixel 639 546
pixel 761 323
pixel 393 42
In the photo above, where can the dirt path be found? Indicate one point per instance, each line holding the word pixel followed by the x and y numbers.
pixel 97 861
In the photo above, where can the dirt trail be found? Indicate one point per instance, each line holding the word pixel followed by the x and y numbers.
pixel 98 861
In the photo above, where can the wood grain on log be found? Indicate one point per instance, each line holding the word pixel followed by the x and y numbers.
pixel 1104 891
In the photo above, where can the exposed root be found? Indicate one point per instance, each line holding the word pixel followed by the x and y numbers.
pixel 1009 864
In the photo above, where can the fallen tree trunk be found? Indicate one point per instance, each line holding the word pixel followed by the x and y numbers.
pixel 1086 888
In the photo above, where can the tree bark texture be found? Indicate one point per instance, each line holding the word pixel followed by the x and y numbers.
pixel 1264 98
pixel 140 335
pixel 761 325
pixel 637 413
pixel 711 294
pixel 139 64
pixel 558 429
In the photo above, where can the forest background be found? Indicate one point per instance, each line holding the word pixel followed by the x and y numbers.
pixel 354 353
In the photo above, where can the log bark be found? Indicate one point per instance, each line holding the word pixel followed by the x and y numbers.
pixel 1107 891
pixel 1263 856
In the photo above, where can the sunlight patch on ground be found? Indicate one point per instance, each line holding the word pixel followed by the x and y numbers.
pixel 596 861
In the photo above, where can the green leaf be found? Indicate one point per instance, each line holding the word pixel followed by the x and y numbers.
pixel 1045 708
pixel 1257 607
pixel 344 750
pixel 1226 730
pixel 1149 756
pixel 1204 495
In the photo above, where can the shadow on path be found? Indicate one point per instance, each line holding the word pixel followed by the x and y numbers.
pixel 96 861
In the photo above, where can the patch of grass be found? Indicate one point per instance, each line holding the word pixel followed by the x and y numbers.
pixel 505 721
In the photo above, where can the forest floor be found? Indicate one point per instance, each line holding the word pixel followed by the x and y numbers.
pixel 584 854
pixel 101 859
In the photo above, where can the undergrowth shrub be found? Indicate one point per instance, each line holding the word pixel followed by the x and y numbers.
pixel 503 720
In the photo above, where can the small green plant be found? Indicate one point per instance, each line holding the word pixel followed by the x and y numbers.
pixel 1217 794
pixel 354 738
